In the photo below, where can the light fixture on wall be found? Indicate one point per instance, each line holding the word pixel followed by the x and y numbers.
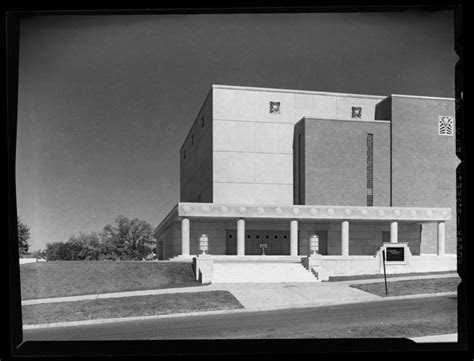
pixel 203 244
pixel 314 244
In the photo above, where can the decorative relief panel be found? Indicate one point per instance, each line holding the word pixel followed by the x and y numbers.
pixel 357 112
pixel 445 125
pixel 274 107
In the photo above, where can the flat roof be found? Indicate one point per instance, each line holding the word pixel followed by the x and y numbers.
pixel 294 91
pixel 421 97
pixel 347 120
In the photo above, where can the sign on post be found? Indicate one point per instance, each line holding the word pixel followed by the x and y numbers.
pixel 395 254
pixel 263 246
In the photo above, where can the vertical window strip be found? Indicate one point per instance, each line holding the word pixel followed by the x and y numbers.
pixel 370 169
pixel 300 200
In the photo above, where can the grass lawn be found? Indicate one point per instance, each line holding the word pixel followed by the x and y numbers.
pixel 412 287
pixel 129 306
pixel 70 278
pixel 371 276
pixel 400 329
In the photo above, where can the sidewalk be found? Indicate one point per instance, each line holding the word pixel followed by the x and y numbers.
pixel 450 337
pixel 255 295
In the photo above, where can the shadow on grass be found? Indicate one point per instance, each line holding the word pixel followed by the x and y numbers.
pixel 72 278
pixel 129 307
pixel 411 287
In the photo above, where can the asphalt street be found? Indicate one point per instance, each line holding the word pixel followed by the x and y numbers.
pixel 350 320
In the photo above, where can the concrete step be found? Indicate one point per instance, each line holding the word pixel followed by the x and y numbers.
pixel 239 272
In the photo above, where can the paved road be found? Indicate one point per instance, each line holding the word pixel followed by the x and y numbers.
pixel 393 318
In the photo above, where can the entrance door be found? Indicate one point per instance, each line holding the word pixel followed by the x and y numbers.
pixel 278 242
pixel 231 242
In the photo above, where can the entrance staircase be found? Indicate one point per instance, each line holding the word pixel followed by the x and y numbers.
pixel 252 272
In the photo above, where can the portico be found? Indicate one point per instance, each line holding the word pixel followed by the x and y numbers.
pixel 293 215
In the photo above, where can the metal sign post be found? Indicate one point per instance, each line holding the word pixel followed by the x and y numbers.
pixel 384 272
pixel 263 246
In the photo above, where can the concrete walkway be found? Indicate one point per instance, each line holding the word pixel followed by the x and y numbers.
pixel 256 296
pixel 450 337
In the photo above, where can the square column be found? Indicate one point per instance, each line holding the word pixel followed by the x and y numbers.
pixel 185 237
pixel 345 238
pixel 240 237
pixel 293 238
pixel 394 232
pixel 441 238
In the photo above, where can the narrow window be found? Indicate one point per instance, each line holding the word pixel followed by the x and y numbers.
pixel 370 169
pixel 299 173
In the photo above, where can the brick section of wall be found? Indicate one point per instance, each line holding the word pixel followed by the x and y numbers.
pixel 424 163
pixel 336 162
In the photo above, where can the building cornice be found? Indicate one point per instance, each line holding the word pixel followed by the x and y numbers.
pixel 421 97
pixel 312 212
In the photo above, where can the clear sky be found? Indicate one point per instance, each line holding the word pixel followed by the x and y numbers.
pixel 105 102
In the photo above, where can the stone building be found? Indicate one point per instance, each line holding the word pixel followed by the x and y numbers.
pixel 266 170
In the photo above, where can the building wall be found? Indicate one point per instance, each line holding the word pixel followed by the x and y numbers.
pixel 335 162
pixel 253 148
pixel 196 161
pixel 424 162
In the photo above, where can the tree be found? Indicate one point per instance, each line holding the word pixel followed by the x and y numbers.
pixel 23 236
pixel 85 246
pixel 128 239
pixel 55 251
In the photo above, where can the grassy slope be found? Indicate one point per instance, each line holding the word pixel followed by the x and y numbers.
pixel 129 306
pixel 412 287
pixel 68 278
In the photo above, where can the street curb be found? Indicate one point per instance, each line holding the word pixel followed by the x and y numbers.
pixel 231 311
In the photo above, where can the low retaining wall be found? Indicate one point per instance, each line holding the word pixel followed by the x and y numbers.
pixel 203 268
pixel 364 265
pixel 326 266
pixel 343 265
